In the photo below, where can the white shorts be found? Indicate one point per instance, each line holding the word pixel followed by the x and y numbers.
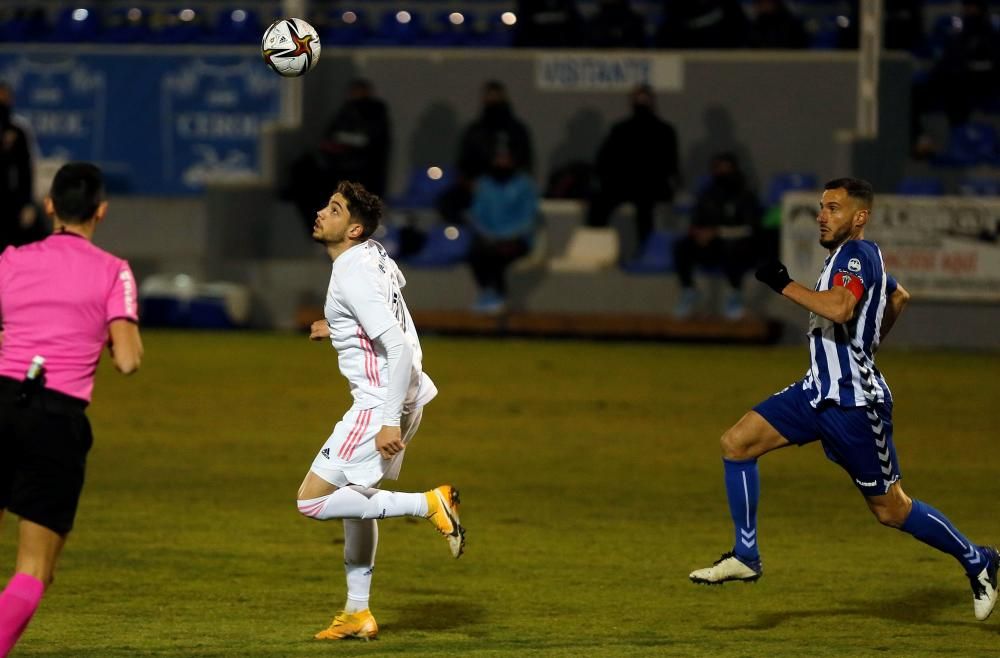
pixel 349 455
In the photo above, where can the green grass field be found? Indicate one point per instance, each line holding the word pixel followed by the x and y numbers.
pixel 591 485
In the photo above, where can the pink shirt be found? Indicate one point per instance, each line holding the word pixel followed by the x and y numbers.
pixel 57 297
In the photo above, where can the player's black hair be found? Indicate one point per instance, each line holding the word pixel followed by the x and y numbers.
pixel 364 206
pixel 857 188
pixel 77 192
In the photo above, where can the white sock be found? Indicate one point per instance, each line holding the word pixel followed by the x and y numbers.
pixel 356 502
pixel 360 542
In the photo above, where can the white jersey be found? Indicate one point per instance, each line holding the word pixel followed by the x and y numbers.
pixel 362 302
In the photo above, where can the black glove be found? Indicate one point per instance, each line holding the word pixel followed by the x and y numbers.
pixel 774 275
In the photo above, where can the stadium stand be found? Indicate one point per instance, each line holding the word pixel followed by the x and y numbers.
pixel 979 187
pixel 423 185
pixel 488 23
pixel 549 296
pixel 920 186
pixel 444 246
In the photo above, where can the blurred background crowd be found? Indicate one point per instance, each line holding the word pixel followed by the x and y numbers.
pixel 492 183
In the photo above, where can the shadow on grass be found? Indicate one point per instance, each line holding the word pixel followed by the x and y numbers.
pixel 920 607
pixel 442 615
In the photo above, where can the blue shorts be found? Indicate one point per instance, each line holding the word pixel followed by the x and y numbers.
pixel 859 439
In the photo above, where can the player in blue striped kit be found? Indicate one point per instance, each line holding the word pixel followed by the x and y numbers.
pixel 843 401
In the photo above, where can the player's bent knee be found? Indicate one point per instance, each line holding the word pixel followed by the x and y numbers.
pixel 311 507
pixel 734 444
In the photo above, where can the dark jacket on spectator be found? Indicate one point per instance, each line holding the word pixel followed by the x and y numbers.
pixel 638 158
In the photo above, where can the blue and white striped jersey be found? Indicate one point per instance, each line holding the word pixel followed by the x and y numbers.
pixel 842 367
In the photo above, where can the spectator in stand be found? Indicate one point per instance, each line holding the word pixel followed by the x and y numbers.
pixel 637 163
pixel 547 24
pixel 355 147
pixel 616 25
pixel 7 98
pixel 504 217
pixel 774 26
pixel 17 212
pixel 497 129
pixel 725 218
pixel 964 75
pixel 703 24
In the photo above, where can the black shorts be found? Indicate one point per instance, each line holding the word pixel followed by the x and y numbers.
pixel 44 443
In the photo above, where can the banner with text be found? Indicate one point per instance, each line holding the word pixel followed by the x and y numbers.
pixel 157 124
pixel 940 248
pixel 613 73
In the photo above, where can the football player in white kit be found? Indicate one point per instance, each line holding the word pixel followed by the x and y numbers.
pixel 379 353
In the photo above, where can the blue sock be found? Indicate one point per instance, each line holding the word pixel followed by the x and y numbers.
pixel 934 529
pixel 743 490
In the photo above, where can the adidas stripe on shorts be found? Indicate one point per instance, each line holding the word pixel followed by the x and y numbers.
pixel 349 455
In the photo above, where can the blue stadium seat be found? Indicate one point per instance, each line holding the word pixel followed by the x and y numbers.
pixel 825 34
pixel 942 29
pixel 398 28
pixel 970 144
pixel 76 25
pixel 344 27
pixel 237 25
pixel 179 29
pixel 789 182
pixel 445 246
pixel 447 31
pixel 390 237
pixel 496 33
pixel 979 187
pixel 25 25
pixel 920 186
pixel 422 190
pixel 656 255
pixel 126 25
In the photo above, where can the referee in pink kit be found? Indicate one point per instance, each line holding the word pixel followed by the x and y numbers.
pixel 61 301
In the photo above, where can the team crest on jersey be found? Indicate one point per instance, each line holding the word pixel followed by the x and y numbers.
pixel 854 265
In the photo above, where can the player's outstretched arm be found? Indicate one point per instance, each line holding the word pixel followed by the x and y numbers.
pixel 125 345
pixel 836 304
pixel 895 304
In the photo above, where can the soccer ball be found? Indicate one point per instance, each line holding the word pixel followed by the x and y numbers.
pixel 290 47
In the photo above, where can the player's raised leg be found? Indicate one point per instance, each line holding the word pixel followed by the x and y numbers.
pixel 319 499
pixel 442 511
pixel 742 444
pixel 926 524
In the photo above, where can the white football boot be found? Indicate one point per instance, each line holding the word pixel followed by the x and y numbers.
pixel 726 568
pixel 984 585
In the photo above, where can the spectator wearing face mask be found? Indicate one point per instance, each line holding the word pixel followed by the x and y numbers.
pixel 497 129
pixel 725 218
pixel 354 147
pixel 17 213
pixel 504 217
pixel 637 163
pixel 965 74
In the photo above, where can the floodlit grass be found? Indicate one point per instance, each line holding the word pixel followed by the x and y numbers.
pixel 591 483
